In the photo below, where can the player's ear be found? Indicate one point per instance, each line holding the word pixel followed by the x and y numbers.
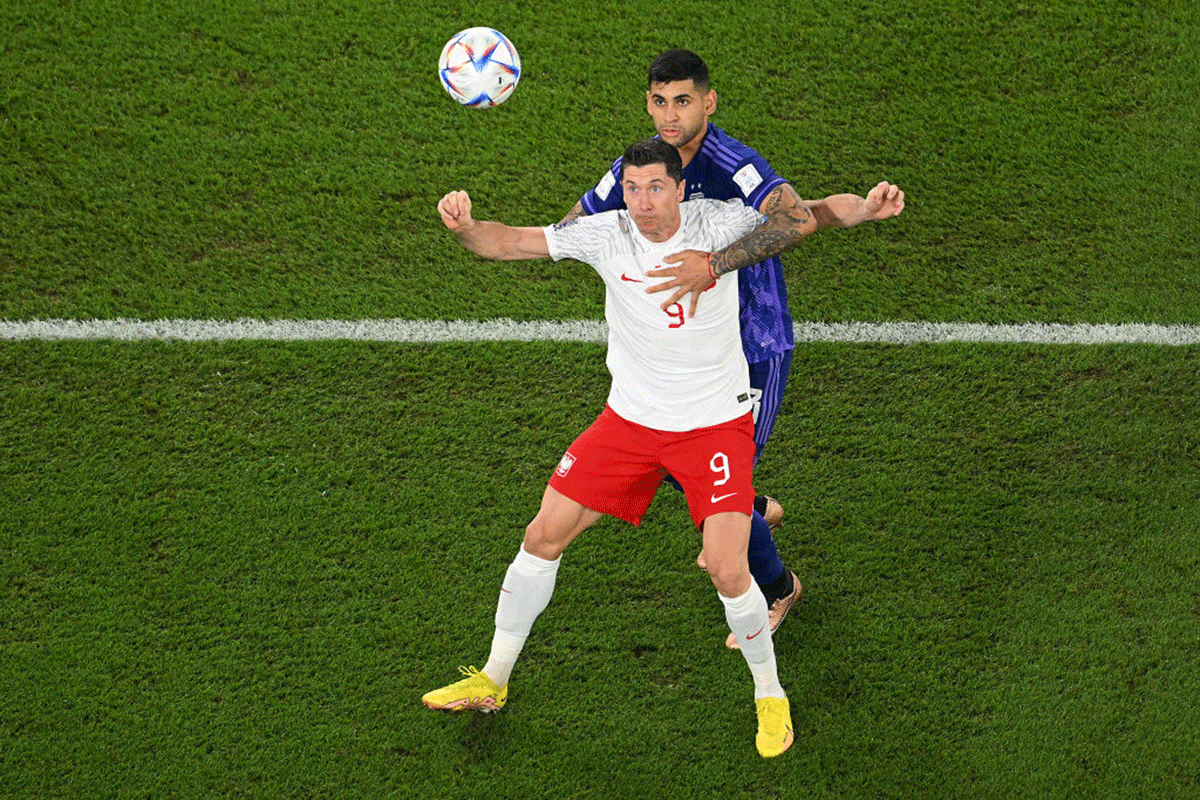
pixel 649 102
pixel 710 102
pixel 681 190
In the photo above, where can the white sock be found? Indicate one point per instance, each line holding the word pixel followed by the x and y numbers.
pixel 747 618
pixel 524 595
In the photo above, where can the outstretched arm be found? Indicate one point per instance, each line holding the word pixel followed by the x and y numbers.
pixel 789 220
pixel 847 210
pixel 492 240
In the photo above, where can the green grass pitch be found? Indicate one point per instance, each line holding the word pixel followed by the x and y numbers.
pixel 231 569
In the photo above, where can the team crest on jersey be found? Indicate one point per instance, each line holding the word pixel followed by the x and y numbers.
pixel 565 464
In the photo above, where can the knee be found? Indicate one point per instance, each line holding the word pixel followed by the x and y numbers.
pixel 542 541
pixel 731 577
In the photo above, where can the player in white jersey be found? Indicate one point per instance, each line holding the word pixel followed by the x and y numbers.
pixel 679 404
pixel 666 374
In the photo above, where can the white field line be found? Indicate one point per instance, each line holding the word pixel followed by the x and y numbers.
pixel 507 330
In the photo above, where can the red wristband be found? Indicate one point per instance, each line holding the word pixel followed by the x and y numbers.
pixel 712 272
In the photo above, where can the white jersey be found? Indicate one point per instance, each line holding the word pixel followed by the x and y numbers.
pixel 669 372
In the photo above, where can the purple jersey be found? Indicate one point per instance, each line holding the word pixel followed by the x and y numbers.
pixel 726 169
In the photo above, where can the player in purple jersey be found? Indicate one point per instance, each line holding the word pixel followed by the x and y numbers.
pixel 680 100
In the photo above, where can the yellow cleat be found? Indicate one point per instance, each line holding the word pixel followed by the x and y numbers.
pixel 774 726
pixel 476 692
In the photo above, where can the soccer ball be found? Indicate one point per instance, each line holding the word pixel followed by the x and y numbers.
pixel 479 67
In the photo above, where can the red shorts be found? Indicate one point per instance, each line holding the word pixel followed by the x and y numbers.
pixel 615 466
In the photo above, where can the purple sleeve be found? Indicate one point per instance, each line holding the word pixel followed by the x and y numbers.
pixel 607 194
pixel 756 179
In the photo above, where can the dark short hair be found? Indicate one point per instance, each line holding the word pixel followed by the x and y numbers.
pixel 679 65
pixel 653 151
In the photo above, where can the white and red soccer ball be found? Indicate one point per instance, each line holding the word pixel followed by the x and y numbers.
pixel 479 67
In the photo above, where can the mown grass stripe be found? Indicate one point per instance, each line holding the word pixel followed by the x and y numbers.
pixel 503 330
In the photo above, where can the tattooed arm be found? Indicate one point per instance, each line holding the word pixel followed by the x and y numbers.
pixel 788 221
pixel 574 213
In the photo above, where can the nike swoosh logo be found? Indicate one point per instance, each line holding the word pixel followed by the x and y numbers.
pixel 716 499
pixel 625 277
pixel 756 633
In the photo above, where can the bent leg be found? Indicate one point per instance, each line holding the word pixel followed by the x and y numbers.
pixel 529 581
pixel 765 564
pixel 725 538
pixel 745 606
pixel 558 521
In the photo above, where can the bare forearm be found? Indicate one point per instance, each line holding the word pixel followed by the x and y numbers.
pixel 482 238
pixel 500 242
pixel 788 221
pixel 839 211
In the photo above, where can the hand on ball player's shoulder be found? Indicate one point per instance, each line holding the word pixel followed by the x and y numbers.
pixel 455 208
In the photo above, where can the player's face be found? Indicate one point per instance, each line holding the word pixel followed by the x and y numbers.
pixel 680 112
pixel 653 199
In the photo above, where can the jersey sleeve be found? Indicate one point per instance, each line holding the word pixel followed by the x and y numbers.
pixel 755 178
pixel 734 219
pixel 737 169
pixel 579 239
pixel 607 194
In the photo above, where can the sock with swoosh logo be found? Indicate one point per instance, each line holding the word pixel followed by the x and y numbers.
pixel 524 595
pixel 747 618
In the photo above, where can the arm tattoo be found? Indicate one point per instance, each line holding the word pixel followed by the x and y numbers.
pixel 788 221
pixel 574 213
